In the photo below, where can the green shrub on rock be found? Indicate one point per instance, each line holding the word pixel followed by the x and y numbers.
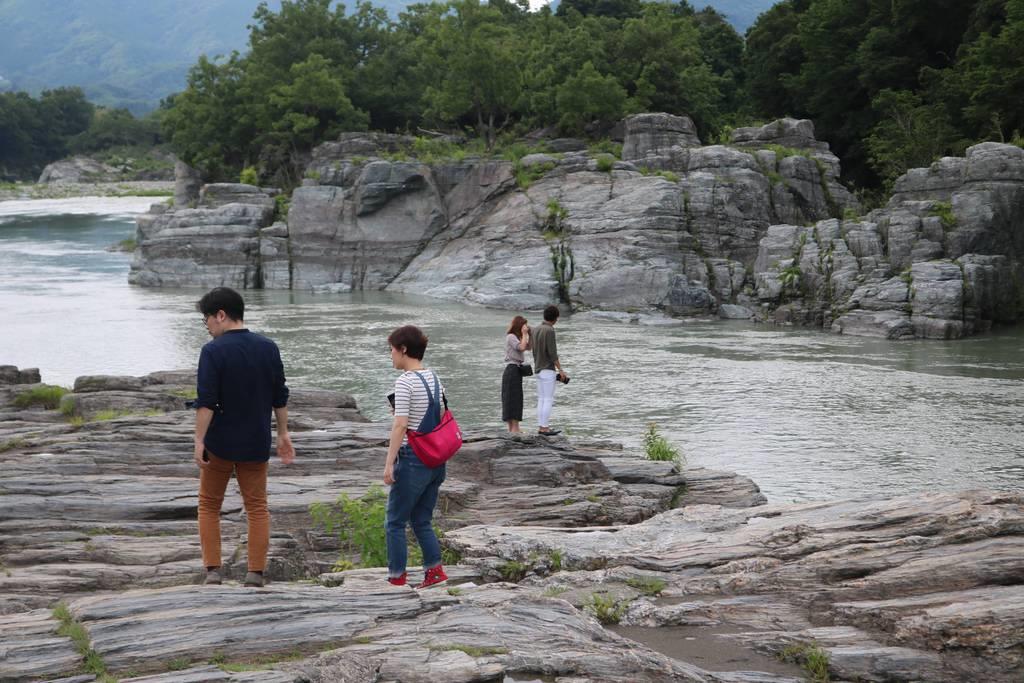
pixel 657 447
pixel 249 176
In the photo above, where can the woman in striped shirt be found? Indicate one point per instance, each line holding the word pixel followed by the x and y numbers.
pixel 414 486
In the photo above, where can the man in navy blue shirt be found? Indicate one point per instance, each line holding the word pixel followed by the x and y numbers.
pixel 240 381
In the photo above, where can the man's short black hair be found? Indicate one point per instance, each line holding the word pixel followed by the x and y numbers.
pixel 551 313
pixel 222 299
pixel 412 338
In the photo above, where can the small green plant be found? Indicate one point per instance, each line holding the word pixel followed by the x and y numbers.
pixel 515 152
pixel 107 415
pixel 553 591
pixel 454 591
pixel 605 607
pixel 218 658
pixel 782 152
pixel 790 277
pixel 11 444
pixel 179 664
pixel 313 174
pixel 396 155
pixel 605 163
pixel 606 146
pixel 471 650
pixel 944 211
pixel 76 422
pixel 594 498
pixel 281 205
pixel 127 244
pixel 657 447
pixel 343 565
pixel 669 176
pixel 189 393
pixel 249 176
pixel 555 221
pixel 73 630
pixel 647 585
pixel 528 175
pixel 44 395
pixel 907 276
pixel 556 560
pixel 850 214
pixel 436 150
pixel 359 523
pixel 813 659
pixel 513 571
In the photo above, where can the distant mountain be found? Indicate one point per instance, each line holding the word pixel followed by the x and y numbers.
pixel 741 13
pixel 131 53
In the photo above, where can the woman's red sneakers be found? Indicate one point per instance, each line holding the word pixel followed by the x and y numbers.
pixel 433 576
pixel 398 580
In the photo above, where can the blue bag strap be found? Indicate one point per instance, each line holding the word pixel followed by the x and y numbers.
pixel 435 404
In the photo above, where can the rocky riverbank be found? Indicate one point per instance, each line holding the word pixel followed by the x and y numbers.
pixel 555 541
pixel 160 190
pixel 758 228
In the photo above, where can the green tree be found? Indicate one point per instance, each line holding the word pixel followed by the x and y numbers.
pixel 116 128
pixel 474 59
pixel 911 134
pixel 661 65
pixel 312 106
pixel 588 96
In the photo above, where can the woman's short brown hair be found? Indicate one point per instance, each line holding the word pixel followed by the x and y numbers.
pixel 412 338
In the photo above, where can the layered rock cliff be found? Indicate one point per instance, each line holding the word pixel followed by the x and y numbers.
pixel 754 228
pixel 944 259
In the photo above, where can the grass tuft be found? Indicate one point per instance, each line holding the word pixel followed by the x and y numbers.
pixel 647 585
pixel 812 658
pixel 513 571
pixel 44 395
pixel 657 447
pixel 606 608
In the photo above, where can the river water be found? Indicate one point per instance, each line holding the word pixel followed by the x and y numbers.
pixel 806 414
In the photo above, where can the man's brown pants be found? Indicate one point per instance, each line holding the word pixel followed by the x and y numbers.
pixel 252 481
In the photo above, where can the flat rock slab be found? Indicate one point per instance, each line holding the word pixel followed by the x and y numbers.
pixel 135 629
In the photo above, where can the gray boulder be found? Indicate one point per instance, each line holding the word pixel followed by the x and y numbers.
pixel 10 374
pixel 78 169
pixel 657 136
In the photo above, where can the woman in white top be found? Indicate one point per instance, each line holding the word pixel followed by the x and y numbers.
pixel 414 486
pixel 517 340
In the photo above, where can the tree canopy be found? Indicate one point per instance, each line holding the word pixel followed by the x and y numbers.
pixel 890 84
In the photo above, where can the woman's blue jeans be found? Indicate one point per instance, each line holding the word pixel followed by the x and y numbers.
pixel 412 500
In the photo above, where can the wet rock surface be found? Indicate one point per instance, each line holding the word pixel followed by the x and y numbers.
pixel 557 539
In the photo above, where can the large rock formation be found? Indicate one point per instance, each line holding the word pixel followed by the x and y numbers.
pixel 216 243
pixel 944 259
pixel 761 228
pixel 673 226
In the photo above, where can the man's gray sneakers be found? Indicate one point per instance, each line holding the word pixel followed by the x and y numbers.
pixel 212 577
pixel 254 580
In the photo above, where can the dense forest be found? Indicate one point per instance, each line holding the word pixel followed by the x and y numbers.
pixel 891 84
pixel 36 131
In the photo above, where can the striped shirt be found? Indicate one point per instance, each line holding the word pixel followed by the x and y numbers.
pixel 411 398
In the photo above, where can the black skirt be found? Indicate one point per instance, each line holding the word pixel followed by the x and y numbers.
pixel 511 394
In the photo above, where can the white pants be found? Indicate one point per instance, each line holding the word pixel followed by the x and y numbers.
pixel 545 396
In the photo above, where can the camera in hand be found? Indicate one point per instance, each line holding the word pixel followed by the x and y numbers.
pixel 564 379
